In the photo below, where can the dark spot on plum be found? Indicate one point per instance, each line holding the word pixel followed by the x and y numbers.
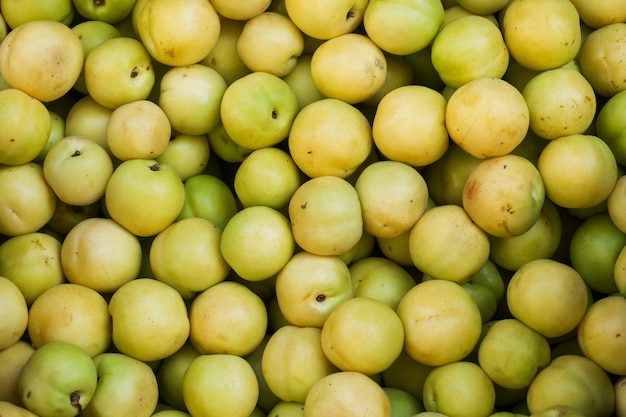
pixel 76 153
pixel 351 14
pixel 155 167
pixel 274 114
pixel 98 2
pixel 320 298
pixel 303 206
pixel 134 72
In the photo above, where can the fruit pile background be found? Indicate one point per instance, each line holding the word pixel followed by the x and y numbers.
pixel 380 208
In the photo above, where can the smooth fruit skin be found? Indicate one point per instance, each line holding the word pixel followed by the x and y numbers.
pixel 58 380
pixel 220 384
pixel 150 320
pixel 551 41
pixel 176 35
pixel 14 312
pixel 599 334
pixel 12 360
pixel 347 394
pixel 573 381
pixel 460 389
pixel 126 386
pixel 71 313
pixel 416 24
pixel 442 323
pixel 293 361
pixel 530 297
pixel 144 196
pixel 26 126
pixel 43 58
pixel 593 179
pixel 363 335
pixel 468 48
pixel 511 353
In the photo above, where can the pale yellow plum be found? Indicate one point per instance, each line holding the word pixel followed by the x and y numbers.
pixel 130 381
pixel 540 34
pixel 468 48
pixel 220 384
pixel 574 381
pixel 600 59
pixel 257 242
pixel 487 117
pixel 88 118
pixel 240 11
pixel 119 71
pixel 100 254
pixel 385 184
pixel 600 331
pixel 186 255
pixel 380 278
pixel 188 155
pixel 257 110
pixel 397 249
pixel 138 130
pixel 268 177
pixel 531 297
pixel 442 323
pixel 25 212
pixel 270 42
pixel 224 57
pixel 593 179
pixel 26 126
pixel 560 102
pixel 17 12
pixel 504 195
pixel 511 353
pixel 32 261
pixel 416 24
pixel 293 361
pixel 597 14
pixel 326 19
pixel 362 335
pixel 460 389
pixel 150 319
pixel 71 313
pixel 190 96
pixel 446 244
pixel 14 313
pixel 409 125
pixel 43 58
pixel 12 359
pixel 330 137
pixel 218 310
pixel 78 170
pixel 176 35
pixel 325 215
pixel 310 287
pixel 144 196
pixel 347 394
pixel 349 67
